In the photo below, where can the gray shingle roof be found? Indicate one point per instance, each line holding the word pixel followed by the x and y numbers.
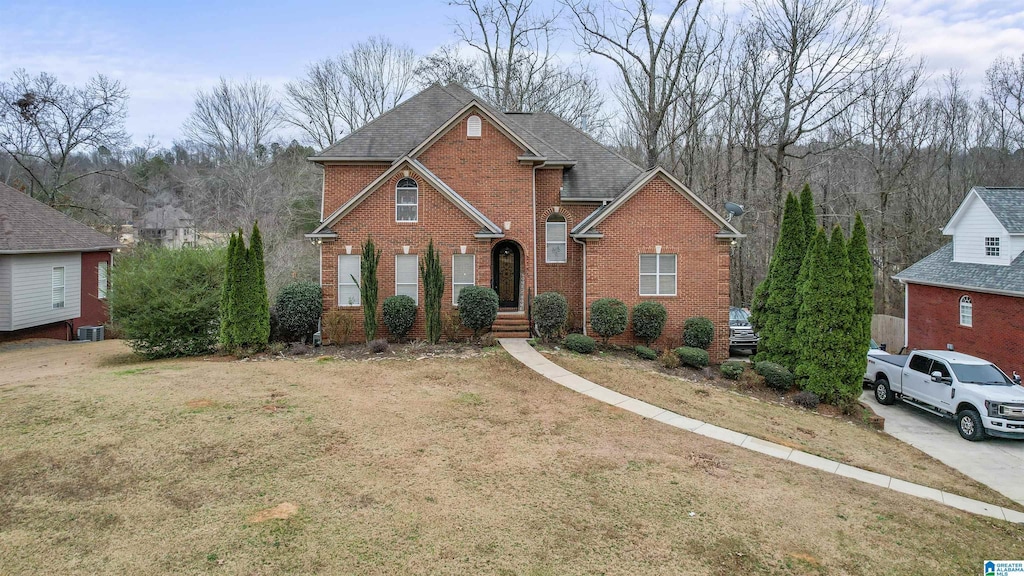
pixel 1007 204
pixel 938 269
pixel 27 225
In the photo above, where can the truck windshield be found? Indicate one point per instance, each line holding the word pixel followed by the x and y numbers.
pixel 980 374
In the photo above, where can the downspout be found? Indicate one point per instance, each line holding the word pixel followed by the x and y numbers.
pixel 584 244
pixel 534 230
pixel 906 314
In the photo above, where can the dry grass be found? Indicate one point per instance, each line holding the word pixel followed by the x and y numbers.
pixel 475 466
pixel 833 438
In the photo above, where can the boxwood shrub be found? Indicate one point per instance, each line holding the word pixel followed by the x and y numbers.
pixel 478 308
pixel 776 376
pixel 691 356
pixel 698 332
pixel 732 369
pixel 608 317
pixel 298 308
pixel 579 343
pixel 550 311
pixel 646 353
pixel 399 314
pixel 649 320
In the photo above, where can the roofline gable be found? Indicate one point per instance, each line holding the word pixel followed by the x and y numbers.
pixel 599 215
pixel 493 119
pixel 971 197
pixel 442 188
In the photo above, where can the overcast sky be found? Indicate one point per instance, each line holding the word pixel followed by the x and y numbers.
pixel 165 51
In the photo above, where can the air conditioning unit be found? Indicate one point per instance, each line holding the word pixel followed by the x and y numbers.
pixel 90 333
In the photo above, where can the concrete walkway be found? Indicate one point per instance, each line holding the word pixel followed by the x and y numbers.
pixel 523 352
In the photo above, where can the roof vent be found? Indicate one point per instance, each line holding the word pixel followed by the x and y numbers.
pixel 473 127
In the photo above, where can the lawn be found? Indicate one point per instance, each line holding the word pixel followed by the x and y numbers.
pixel 414 466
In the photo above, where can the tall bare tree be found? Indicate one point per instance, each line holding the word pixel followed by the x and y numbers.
pixel 235 119
pixel 1005 78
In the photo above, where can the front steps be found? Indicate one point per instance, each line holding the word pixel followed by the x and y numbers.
pixel 511 325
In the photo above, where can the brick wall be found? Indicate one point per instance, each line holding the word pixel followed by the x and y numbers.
pixel 996 333
pixel 343 181
pixel 659 215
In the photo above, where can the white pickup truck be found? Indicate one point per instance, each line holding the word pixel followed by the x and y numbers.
pixel 982 399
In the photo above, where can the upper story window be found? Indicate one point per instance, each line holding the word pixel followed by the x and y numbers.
pixel 57 287
pixel 555 238
pixel 473 127
pixel 966 311
pixel 102 280
pixel 407 200
pixel 991 246
pixel 657 274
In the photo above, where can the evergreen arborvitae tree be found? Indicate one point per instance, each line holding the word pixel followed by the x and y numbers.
pixel 261 302
pixel 368 287
pixel 227 321
pixel 863 274
pixel 240 262
pixel 826 326
pixel 433 291
pixel 760 301
pixel 244 301
pixel 779 316
pixel 807 208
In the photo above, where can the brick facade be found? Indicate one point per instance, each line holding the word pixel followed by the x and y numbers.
pixel 996 333
pixel 487 173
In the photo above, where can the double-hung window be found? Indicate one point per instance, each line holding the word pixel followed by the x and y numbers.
pixel 657 274
pixel 407 196
pixel 407 276
pixel 57 287
pixel 102 281
pixel 554 237
pixel 991 246
pixel 348 280
pixel 463 274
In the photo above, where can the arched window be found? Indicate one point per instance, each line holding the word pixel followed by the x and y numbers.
pixel 473 127
pixel 966 311
pixel 554 237
pixel 407 196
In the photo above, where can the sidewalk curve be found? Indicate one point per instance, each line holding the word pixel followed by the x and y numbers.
pixel 521 350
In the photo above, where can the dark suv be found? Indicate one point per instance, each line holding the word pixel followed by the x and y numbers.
pixel 741 333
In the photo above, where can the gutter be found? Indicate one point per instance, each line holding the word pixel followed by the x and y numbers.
pixel 61 250
pixel 959 287
pixel 534 232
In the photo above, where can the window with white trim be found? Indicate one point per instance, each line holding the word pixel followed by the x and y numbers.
pixel 657 274
pixel 463 274
pixel 966 311
pixel 102 280
pixel 407 196
pixel 991 246
pixel 407 276
pixel 473 127
pixel 57 287
pixel 555 239
pixel 348 280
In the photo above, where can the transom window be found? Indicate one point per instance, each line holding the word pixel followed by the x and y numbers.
pixel 657 274
pixel 991 246
pixel 348 280
pixel 407 196
pixel 57 287
pixel 407 276
pixel 463 274
pixel 555 237
pixel 966 311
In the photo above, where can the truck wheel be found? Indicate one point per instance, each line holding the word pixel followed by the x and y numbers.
pixel 883 393
pixel 969 423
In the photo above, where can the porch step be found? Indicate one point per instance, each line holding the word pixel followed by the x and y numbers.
pixel 511 326
pixel 510 334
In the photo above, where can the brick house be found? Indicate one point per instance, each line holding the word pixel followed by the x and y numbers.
pixel 970 292
pixel 523 203
pixel 54 270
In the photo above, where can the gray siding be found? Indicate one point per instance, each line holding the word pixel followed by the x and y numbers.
pixel 5 292
pixel 31 302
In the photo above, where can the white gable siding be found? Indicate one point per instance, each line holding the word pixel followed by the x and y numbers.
pixel 975 224
pixel 1016 246
pixel 5 292
pixel 31 299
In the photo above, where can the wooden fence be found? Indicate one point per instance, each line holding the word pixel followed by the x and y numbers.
pixel 888 330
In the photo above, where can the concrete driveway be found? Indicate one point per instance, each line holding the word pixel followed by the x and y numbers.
pixel 995 462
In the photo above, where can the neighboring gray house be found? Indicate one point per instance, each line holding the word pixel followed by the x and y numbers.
pixel 54 270
pixel 167 226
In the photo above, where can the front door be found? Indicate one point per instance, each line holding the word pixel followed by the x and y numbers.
pixel 505 274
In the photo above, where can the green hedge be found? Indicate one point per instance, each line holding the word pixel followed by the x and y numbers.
pixel 646 353
pixel 297 310
pixel 694 357
pixel 649 320
pixel 478 308
pixel 775 375
pixel 399 314
pixel 579 343
pixel 608 317
pixel 550 311
pixel 698 332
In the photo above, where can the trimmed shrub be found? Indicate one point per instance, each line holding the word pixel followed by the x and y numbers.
pixel 733 369
pixel 646 353
pixel 298 310
pixel 807 399
pixel 579 343
pixel 399 314
pixel 478 308
pixel 669 359
pixel 649 320
pixel 694 357
pixel 776 376
pixel 167 302
pixel 698 332
pixel 608 317
pixel 550 311
pixel 378 346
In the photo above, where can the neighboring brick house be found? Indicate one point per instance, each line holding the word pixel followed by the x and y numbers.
pixel 524 203
pixel 970 292
pixel 54 270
